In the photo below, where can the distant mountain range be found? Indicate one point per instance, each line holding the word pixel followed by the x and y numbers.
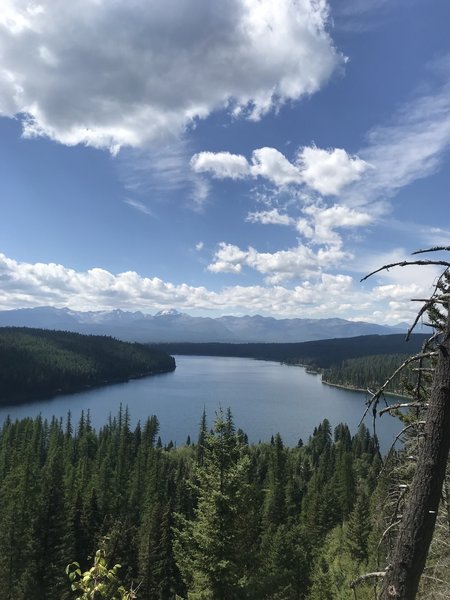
pixel 173 326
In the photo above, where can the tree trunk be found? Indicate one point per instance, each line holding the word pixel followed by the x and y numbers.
pixel 419 518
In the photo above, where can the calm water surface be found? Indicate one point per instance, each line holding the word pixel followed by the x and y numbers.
pixel 265 398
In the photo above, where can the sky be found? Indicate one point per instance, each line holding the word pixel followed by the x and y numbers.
pixel 241 157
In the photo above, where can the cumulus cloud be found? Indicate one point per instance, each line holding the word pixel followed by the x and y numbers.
pixel 283 265
pixel 112 74
pixel 274 166
pixel 268 163
pixel 317 223
pixel 42 284
pixel 329 171
pixel 412 146
pixel 228 259
pixel 399 292
pixel 221 164
pixel 324 171
pixel 321 221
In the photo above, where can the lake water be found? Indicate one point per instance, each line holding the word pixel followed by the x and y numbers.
pixel 265 398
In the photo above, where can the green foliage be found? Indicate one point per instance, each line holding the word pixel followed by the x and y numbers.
pixel 38 363
pixel 227 520
pixel 334 569
pixel 321 354
pixel 358 530
pixel 207 547
pixel 371 372
pixel 98 582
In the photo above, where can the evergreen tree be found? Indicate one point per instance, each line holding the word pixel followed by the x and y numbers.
pixel 206 547
pixel 358 529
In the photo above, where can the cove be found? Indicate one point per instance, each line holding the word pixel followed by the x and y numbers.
pixel 264 397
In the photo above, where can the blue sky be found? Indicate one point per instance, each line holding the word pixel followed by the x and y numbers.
pixel 241 157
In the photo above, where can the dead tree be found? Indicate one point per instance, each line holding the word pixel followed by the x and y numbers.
pixel 419 517
pixel 402 576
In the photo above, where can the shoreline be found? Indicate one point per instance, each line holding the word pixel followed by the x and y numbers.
pixel 12 401
pixel 356 389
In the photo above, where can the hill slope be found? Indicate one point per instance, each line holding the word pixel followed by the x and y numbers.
pixel 320 353
pixel 37 362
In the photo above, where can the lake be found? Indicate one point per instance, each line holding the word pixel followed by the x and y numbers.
pixel 265 398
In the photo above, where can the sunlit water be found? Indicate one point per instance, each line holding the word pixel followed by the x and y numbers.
pixel 265 398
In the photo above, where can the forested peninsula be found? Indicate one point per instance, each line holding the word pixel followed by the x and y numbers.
pixel 360 363
pixel 37 363
pixel 321 354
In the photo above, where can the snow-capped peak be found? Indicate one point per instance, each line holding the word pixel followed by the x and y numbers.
pixel 168 312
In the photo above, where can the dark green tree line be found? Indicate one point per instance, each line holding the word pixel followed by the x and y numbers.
pixel 218 518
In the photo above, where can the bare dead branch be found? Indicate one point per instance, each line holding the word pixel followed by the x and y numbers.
pixel 435 298
pixel 376 395
pixel 442 299
pixel 433 249
pixel 384 534
pixel 406 263
pixel 403 405
pixel 424 309
pixel 397 437
pixel 362 578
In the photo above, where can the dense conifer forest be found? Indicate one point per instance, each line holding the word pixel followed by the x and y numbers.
pixel 37 363
pixel 320 354
pixel 371 372
pixel 217 519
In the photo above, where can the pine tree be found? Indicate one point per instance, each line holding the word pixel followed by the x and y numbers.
pixel 358 529
pixel 275 504
pixel 206 547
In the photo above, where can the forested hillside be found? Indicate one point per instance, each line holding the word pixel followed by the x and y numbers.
pixel 320 354
pixel 371 372
pixel 218 519
pixel 37 362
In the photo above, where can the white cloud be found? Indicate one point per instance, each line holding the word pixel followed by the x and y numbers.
pixel 283 265
pixel 329 171
pixel 274 166
pixel 317 223
pixel 268 163
pixel 221 164
pixel 39 284
pixel 363 15
pixel 336 216
pixel 400 292
pixel 140 206
pixel 270 217
pixel 324 220
pixel 158 172
pixel 228 259
pixel 324 171
pixel 411 147
pixel 199 246
pixel 111 74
